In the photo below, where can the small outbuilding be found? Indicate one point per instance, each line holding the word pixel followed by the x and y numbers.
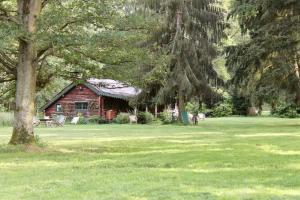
pixel 94 97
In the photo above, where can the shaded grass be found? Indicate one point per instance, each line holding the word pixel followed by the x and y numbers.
pixel 227 158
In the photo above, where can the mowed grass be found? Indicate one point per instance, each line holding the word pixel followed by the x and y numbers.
pixel 223 159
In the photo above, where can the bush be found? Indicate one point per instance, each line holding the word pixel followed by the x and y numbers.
pixel 97 120
pixel 240 105
pixel 83 120
pixel 287 111
pixel 145 118
pixel 123 118
pixel 102 120
pixel 222 110
pixel 165 117
pixel 6 119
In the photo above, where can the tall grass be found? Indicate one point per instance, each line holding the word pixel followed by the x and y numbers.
pixel 6 119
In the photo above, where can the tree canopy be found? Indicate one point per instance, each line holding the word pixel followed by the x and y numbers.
pixel 269 62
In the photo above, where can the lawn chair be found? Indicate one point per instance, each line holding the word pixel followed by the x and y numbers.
pixel 201 116
pixel 60 121
pixel 36 122
pixel 75 120
pixel 132 119
pixel 48 121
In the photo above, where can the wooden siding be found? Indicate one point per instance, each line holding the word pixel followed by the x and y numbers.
pixel 78 94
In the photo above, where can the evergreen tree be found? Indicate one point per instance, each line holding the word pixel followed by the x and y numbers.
pixel 269 61
pixel 188 33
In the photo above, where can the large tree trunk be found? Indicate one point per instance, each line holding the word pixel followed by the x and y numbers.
pixel 181 98
pixel 181 104
pixel 297 71
pixel 252 109
pixel 297 98
pixel 260 107
pixel 273 106
pixel 28 11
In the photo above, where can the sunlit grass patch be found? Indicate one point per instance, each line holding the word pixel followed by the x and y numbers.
pixel 220 159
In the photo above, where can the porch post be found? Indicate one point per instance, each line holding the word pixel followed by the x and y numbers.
pixel 99 106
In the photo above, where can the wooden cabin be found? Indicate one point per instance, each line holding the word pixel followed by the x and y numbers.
pixel 94 97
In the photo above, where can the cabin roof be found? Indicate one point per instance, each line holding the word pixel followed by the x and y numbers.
pixel 113 88
pixel 102 87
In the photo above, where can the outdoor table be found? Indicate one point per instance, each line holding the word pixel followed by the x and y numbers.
pixel 47 122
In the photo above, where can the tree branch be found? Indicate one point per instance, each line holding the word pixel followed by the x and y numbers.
pixel 3 80
pixel 5 15
pixel 9 65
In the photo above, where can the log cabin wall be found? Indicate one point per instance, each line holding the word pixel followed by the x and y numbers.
pixel 80 93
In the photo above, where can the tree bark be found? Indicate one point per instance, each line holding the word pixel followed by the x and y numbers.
pixel 252 108
pixel 28 12
pixel 273 106
pixel 181 99
pixel 155 110
pixel 297 71
pixel 178 28
pixel 181 104
pixel 260 107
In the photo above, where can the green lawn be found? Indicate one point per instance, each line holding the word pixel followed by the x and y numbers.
pixel 229 158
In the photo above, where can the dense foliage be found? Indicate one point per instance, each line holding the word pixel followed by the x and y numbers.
pixel 222 110
pixel 287 111
pixel 97 120
pixel 166 117
pixel 266 66
pixel 145 118
pixel 123 118
pixel 75 39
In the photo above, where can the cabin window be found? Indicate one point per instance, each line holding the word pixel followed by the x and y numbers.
pixel 81 106
pixel 58 108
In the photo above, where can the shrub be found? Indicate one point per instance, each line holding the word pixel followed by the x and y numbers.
pixel 287 111
pixel 123 118
pixel 97 120
pixel 145 118
pixel 83 120
pixel 165 117
pixel 240 105
pixel 222 110
pixel 6 119
pixel 102 120
pixel 93 120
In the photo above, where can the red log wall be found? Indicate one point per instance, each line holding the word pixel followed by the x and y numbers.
pixel 80 93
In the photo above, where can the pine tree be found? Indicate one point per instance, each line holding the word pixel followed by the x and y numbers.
pixel 269 61
pixel 188 33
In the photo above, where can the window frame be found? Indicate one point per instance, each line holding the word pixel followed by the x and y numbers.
pixel 82 107
pixel 58 110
